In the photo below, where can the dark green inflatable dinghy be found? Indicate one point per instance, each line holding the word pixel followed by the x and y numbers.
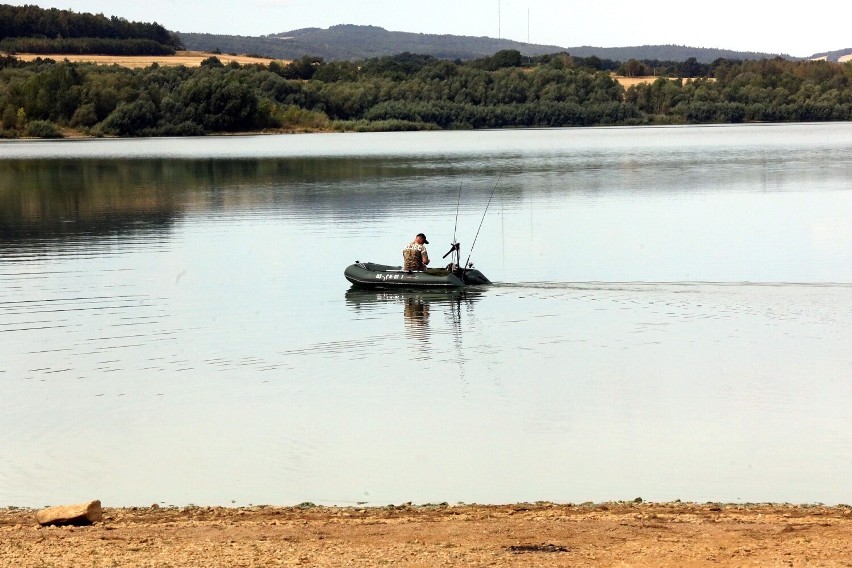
pixel 374 276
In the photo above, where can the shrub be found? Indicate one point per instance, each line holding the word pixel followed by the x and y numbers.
pixel 42 129
pixel 85 115
pixel 129 119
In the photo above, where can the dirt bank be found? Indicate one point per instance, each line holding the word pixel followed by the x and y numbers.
pixel 623 534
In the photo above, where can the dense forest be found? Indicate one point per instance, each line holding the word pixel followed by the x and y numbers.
pixel 30 29
pixel 406 92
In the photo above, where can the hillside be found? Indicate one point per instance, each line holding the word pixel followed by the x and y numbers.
pixel 839 56
pixel 31 29
pixel 351 42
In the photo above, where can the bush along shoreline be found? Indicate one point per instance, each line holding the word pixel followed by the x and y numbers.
pixel 46 98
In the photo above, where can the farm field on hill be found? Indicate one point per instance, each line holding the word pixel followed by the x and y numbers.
pixel 188 58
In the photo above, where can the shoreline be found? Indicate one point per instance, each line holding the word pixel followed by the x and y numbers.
pixel 602 534
pixel 366 506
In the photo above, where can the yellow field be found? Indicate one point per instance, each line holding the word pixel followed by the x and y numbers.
pixel 187 58
pixel 627 82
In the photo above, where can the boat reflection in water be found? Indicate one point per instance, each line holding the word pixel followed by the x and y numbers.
pixel 418 306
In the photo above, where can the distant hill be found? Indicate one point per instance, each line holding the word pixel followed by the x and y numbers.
pixel 840 55
pixel 351 42
pixel 669 53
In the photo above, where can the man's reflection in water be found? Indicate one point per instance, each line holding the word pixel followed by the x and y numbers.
pixel 417 309
pixel 416 314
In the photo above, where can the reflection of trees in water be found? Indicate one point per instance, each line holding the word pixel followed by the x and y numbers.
pixel 57 197
pixel 90 197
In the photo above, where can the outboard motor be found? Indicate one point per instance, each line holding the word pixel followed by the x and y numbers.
pixel 469 275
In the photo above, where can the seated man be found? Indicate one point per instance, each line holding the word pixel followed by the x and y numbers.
pixel 414 255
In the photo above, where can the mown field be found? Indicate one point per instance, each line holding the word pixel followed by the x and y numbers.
pixel 187 58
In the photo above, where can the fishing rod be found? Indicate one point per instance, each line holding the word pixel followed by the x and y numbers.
pixel 458 204
pixel 467 262
pixel 455 246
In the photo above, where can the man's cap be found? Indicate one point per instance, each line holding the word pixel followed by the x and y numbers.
pixel 424 237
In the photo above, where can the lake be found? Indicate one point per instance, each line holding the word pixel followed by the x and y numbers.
pixel 670 318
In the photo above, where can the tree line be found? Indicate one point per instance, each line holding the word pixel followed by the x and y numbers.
pixel 408 92
pixel 84 46
pixel 30 29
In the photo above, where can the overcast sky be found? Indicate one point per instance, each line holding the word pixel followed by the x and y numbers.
pixel 795 28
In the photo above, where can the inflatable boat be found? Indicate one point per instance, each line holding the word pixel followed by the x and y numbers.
pixel 374 276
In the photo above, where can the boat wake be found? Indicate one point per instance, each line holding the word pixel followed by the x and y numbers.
pixel 644 285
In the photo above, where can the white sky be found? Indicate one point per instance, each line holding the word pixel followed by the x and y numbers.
pixel 795 28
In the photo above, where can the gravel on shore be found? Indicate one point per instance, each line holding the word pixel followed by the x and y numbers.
pixel 605 534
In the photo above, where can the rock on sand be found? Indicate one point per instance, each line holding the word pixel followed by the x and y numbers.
pixel 81 514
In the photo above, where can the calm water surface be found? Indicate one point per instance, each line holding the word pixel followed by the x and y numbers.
pixel 671 318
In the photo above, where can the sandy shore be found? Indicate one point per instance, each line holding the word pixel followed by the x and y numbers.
pixel 612 534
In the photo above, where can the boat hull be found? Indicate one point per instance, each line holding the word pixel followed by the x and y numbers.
pixel 370 275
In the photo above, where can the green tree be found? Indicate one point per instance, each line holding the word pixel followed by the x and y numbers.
pixel 337 71
pixel 212 62
pixel 218 104
pixel 302 68
pixel 634 68
pixel 20 119
pixel 85 116
pixel 132 119
pixel 9 118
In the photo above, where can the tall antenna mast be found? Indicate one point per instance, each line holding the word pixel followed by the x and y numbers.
pixel 528 25
pixel 499 22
